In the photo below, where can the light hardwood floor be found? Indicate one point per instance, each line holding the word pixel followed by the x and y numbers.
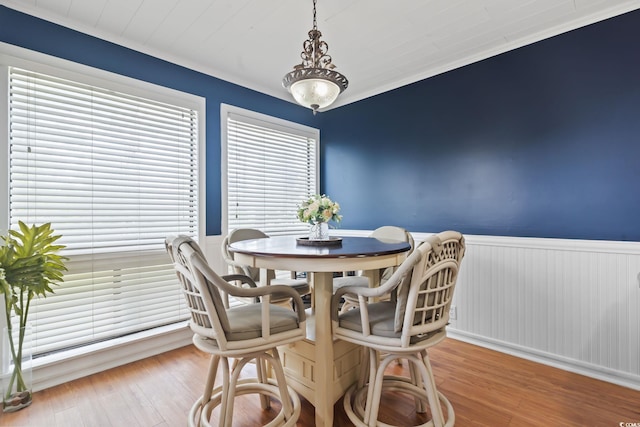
pixel 486 388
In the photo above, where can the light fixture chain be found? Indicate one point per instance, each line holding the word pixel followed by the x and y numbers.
pixel 315 23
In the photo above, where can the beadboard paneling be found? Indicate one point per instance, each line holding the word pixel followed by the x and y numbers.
pixel 569 303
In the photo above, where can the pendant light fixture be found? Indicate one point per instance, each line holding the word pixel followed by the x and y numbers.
pixel 313 83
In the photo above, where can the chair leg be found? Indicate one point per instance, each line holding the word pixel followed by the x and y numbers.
pixel 233 386
pixel 373 397
pixel 232 389
pixel 416 379
pixel 421 385
pixel 374 357
pixel 263 377
pixel 432 391
pixel 364 367
pixel 226 397
pixel 199 410
pixel 211 379
pixel 285 398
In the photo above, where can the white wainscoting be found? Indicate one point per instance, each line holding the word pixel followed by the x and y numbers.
pixel 573 304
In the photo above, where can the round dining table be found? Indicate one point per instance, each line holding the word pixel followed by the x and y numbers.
pixel 320 368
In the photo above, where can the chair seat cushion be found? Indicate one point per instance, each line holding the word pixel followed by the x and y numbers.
pixel 301 286
pixel 340 282
pixel 246 321
pixel 381 321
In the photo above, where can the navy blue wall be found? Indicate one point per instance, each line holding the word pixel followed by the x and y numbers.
pixel 542 141
pixel 26 31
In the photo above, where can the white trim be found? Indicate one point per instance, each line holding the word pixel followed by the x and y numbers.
pixel 549 359
pixel 48 64
pixel 25 58
pixel 61 367
pixel 557 244
pixel 4 150
pixel 554 244
pixel 608 246
pixel 58 368
pixel 284 125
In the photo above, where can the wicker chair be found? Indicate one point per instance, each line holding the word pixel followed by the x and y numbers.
pixel 404 328
pixel 244 333
pixel 300 285
pixel 387 232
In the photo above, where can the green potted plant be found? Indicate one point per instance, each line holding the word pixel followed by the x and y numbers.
pixel 29 265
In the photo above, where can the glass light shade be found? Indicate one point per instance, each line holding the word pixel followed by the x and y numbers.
pixel 318 93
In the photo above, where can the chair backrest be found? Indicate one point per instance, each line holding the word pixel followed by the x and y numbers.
pixel 208 312
pixel 423 306
pixel 392 232
pixel 237 235
pixel 245 328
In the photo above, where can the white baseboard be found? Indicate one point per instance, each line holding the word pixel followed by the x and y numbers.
pixel 570 365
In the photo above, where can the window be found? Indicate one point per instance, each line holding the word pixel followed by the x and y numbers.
pixel 114 173
pixel 270 167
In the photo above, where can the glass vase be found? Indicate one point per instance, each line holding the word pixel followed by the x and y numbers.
pixel 16 368
pixel 319 231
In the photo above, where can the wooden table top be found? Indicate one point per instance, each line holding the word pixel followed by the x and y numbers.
pixel 288 246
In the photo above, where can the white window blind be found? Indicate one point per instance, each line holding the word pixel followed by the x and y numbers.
pixel 114 174
pixel 271 169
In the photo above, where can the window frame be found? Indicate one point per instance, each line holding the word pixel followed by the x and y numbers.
pixel 23 58
pixel 274 123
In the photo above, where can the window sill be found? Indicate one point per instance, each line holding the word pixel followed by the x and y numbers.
pixel 58 368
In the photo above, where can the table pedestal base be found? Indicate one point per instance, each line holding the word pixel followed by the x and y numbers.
pixel 300 368
pixel 318 368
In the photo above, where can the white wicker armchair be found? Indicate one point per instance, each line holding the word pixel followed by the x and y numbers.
pixel 301 285
pixel 387 232
pixel 402 328
pixel 244 333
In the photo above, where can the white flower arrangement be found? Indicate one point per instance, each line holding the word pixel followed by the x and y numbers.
pixel 317 209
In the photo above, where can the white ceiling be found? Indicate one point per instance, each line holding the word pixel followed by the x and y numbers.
pixel 378 45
